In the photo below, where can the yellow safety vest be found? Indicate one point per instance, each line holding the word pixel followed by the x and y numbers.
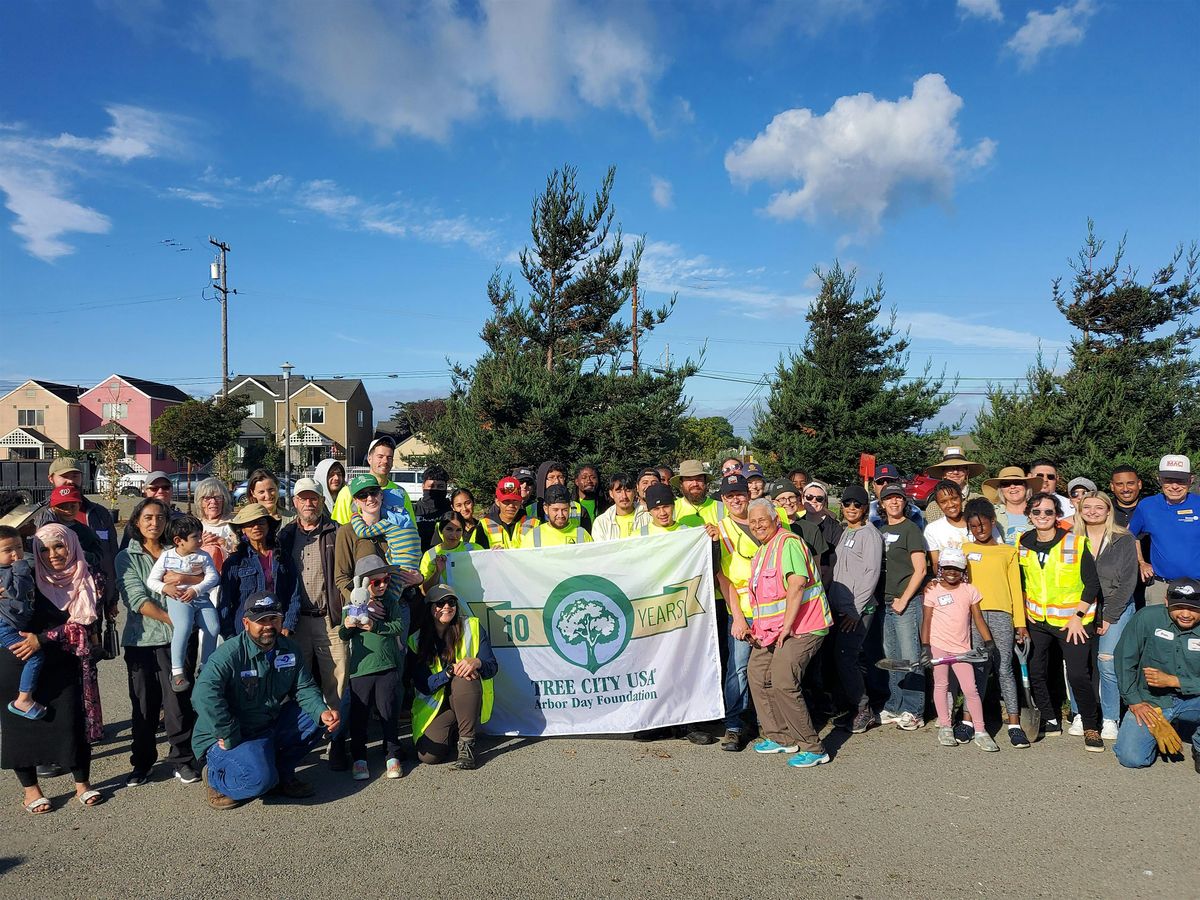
pixel 710 512
pixel 429 560
pixel 1053 591
pixel 543 534
pixel 653 527
pixel 498 536
pixel 735 564
pixel 425 707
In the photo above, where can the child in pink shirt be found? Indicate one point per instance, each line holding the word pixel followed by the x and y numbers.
pixel 950 607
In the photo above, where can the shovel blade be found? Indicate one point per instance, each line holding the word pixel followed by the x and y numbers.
pixel 1031 721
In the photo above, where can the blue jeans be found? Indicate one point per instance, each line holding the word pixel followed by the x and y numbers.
pixel 183 616
pixel 1135 747
pixel 1106 646
pixel 737 687
pixel 33 665
pixel 253 767
pixel 902 639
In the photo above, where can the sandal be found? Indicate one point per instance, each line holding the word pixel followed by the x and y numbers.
pixel 34 712
pixel 38 807
pixel 90 798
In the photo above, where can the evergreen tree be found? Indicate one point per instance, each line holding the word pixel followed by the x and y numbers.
pixel 1132 391
pixel 845 392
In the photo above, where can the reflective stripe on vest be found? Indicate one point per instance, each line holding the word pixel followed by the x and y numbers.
pixel 766 580
pixel 1053 590
pixel 425 707
pixel 498 536
pixel 536 532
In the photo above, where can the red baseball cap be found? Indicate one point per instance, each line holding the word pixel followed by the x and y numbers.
pixel 508 489
pixel 68 493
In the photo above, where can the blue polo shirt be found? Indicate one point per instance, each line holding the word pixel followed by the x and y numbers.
pixel 1174 535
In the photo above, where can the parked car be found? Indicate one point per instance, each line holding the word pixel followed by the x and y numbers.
pixel 129 483
pixel 179 485
pixel 919 488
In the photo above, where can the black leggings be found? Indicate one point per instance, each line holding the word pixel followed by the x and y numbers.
pixel 1081 672
pixel 27 775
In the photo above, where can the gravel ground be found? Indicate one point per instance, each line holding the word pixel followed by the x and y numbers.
pixel 893 816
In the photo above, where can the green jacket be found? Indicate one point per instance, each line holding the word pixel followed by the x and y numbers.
pixel 376 650
pixel 133 566
pixel 1152 639
pixel 242 687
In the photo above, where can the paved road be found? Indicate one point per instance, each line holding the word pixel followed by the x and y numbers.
pixel 893 816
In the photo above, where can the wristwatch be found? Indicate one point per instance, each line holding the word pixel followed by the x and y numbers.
pixel 1080 613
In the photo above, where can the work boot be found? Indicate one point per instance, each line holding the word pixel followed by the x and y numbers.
pixel 339 759
pixel 294 789
pixel 217 800
pixel 1196 759
pixel 466 756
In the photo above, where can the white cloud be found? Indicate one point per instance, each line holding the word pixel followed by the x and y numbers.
pixel 135 133
pixel 43 213
pixel 662 192
pixel 982 9
pixel 668 269
pixel 1045 31
pixel 421 68
pixel 935 326
pixel 863 158
pixel 204 198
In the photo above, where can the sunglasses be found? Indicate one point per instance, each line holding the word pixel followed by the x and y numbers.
pixel 376 582
pixel 815 498
pixel 367 493
pixel 443 604
pixel 885 481
pixel 1008 484
pixel 855 503
pixel 1048 477
pixel 1042 512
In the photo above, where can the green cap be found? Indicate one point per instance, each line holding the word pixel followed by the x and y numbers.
pixel 361 483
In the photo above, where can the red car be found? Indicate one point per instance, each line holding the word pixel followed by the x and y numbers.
pixel 919 488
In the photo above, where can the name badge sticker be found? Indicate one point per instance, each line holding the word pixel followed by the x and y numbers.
pixel 103 535
pixel 849 544
pixel 249 673
pixel 1194 644
pixel 285 661
pixel 1164 634
pixel 945 600
pixel 892 538
pixel 975 557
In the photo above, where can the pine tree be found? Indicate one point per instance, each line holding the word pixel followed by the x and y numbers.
pixel 1132 392
pixel 845 392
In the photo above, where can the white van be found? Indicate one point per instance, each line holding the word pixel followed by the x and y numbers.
pixel 409 479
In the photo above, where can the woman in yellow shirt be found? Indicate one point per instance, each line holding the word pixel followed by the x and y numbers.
pixel 433 563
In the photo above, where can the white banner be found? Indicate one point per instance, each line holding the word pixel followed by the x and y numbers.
pixel 607 637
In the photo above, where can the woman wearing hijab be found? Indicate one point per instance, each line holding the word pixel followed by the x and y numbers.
pixel 65 605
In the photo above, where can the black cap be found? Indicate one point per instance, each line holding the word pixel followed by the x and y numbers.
pixel 734 484
pixel 1183 592
pixel 523 473
pixel 649 470
pixel 556 493
pixel 659 495
pixel 439 592
pixel 262 605
pixel 857 493
pixel 892 490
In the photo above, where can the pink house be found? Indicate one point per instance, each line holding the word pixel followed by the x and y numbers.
pixel 129 404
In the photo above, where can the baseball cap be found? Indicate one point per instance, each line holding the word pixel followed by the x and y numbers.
pixel 508 489
pixel 659 495
pixel 752 470
pixel 556 493
pixel 733 484
pixel 1184 592
pixel 952 557
pixel 892 490
pixel 778 488
pixel 384 439
pixel 1086 483
pixel 262 605
pixel 156 476
pixel 440 592
pixel 1174 464
pixel 857 493
pixel 524 473
pixel 886 470
pixel 63 465
pixel 307 485
pixel 361 483
pixel 369 565
pixel 68 493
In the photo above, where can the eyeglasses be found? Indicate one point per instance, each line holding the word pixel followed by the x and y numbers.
pixel 368 493
pixel 815 498
pixel 1042 512
pixel 443 604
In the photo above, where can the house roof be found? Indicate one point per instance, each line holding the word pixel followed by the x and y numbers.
pixel 156 390
pixel 36 435
pixel 68 392
pixel 338 388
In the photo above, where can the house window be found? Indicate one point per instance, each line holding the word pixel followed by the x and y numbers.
pixel 255 410
pixel 362 416
pixel 159 453
pixel 112 411
pixel 31 418
pixel 310 415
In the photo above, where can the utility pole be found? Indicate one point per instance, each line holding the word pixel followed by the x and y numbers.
pixel 219 273
pixel 635 329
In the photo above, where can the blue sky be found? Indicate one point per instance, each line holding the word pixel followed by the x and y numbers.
pixel 371 163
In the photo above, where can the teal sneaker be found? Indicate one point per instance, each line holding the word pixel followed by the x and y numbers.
pixel 806 760
pixel 765 745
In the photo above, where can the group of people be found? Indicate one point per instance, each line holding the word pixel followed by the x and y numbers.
pixel 258 632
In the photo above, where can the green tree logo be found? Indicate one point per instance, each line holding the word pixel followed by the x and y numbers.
pixel 588 620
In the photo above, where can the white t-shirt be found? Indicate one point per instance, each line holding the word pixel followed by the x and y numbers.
pixel 940 534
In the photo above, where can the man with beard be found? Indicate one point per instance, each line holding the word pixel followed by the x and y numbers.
pixel 434 504
pixel 552 473
pixel 258 711
pixel 1126 487
pixel 694 507
pixel 587 490
pixel 626 517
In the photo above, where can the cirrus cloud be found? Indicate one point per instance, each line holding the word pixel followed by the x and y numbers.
pixel 1045 31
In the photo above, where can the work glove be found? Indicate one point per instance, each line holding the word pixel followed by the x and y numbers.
pixel 926 657
pixel 990 647
pixel 1168 739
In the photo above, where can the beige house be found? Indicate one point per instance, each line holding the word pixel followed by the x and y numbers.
pixel 39 420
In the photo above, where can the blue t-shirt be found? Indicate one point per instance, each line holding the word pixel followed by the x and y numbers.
pixel 1174 535
pixel 1017 525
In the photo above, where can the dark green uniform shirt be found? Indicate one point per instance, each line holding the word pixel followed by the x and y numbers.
pixel 1153 640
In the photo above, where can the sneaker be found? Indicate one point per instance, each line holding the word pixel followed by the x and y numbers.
pixel 1109 731
pixel 732 741
pixel 1076 729
pixel 359 771
pixel 909 722
pixel 296 789
pixel 946 736
pixel 806 760
pixel 863 721
pixel 217 800
pixel 1019 738
pixel 466 756
pixel 394 769
pixel 1051 729
pixel 984 741
pixel 1092 742
pixel 180 683
pixel 964 732
pixel 766 745
pixel 137 779
pixel 187 775
pixel 887 717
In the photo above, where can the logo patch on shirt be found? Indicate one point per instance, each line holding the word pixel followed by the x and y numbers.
pixel 285 661
pixel 1194 644
pixel 1164 634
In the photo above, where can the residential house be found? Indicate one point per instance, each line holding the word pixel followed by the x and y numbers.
pixel 330 417
pixel 122 408
pixel 39 420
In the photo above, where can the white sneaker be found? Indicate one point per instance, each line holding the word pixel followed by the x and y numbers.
pixel 909 722
pixel 887 717
pixel 1109 731
pixel 1076 728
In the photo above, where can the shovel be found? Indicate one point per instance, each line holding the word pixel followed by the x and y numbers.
pixel 908 665
pixel 1031 716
